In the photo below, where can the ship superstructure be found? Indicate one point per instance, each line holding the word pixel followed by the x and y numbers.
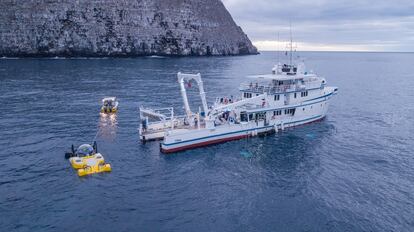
pixel 289 96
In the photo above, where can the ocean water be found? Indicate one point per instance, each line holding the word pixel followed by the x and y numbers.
pixel 353 171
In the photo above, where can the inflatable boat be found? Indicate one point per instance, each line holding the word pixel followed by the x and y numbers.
pixel 109 105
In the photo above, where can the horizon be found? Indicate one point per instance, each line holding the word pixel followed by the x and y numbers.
pixel 172 56
pixel 357 26
pixel 333 51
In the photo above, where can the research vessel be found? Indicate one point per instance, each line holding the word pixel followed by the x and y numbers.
pixel 289 96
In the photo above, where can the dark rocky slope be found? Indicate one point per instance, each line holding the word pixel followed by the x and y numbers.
pixel 119 28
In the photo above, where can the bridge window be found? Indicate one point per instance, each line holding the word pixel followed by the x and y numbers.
pixel 304 94
pixel 247 95
pixel 277 112
pixel 290 111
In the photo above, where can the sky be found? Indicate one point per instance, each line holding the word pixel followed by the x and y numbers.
pixel 327 25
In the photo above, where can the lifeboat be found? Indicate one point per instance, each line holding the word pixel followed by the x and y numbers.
pixel 109 105
pixel 86 160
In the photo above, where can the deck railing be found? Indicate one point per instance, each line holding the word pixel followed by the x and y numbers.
pixel 270 89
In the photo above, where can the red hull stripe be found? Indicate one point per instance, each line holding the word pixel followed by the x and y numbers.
pixel 202 144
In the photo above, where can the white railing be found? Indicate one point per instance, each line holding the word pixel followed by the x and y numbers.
pixel 271 89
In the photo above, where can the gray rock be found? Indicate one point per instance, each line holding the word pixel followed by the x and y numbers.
pixel 119 28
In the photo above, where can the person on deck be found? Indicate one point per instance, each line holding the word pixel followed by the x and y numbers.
pixel 144 125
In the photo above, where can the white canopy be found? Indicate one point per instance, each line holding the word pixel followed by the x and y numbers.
pixel 112 99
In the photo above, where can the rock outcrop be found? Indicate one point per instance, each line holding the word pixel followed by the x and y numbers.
pixel 119 28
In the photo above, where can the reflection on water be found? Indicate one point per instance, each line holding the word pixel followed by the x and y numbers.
pixel 291 151
pixel 351 172
pixel 107 127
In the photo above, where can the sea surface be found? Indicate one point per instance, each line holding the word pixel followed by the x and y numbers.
pixel 353 171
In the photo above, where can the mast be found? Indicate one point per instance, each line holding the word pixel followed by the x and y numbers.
pixel 278 49
pixel 291 44
pixel 275 69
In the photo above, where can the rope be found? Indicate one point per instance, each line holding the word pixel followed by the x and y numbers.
pixel 96 135
pixel 97 132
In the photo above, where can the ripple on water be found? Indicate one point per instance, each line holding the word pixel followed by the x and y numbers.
pixel 351 172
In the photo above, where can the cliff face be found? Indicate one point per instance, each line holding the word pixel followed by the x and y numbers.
pixel 119 28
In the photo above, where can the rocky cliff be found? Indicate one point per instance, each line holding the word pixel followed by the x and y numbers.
pixel 119 28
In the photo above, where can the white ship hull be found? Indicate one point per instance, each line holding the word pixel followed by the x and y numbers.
pixel 207 137
pixel 314 110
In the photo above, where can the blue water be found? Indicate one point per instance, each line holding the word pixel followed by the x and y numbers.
pixel 354 171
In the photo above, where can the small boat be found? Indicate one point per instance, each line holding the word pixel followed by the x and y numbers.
pixel 86 160
pixel 109 105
